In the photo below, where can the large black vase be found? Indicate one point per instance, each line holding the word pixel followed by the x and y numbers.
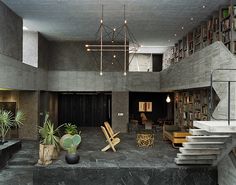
pixel 72 158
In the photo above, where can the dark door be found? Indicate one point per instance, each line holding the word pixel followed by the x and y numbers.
pixel 84 110
pixel 157 62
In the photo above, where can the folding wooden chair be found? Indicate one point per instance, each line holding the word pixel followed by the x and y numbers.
pixel 110 131
pixel 111 142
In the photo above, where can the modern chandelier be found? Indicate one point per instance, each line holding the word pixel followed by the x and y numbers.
pixel 114 39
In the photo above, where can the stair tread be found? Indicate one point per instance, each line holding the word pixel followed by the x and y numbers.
pixel 192 161
pixel 199 148
pixel 210 136
pixel 191 154
pixel 202 142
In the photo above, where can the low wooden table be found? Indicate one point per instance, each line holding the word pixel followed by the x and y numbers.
pixel 145 138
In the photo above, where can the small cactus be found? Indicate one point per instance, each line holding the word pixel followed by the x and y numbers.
pixel 71 143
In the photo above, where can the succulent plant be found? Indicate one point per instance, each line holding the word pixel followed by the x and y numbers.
pixel 70 129
pixel 71 143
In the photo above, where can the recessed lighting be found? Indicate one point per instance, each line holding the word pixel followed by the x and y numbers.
pixel 182 27
pixel 191 18
pixel 86 45
pixel 101 73
pixel 101 21
pixel 168 40
pixel 88 50
pixel 203 6
pixel 25 28
pixel 114 29
pixel 125 21
pixel 175 34
pixel 114 56
pixel 125 73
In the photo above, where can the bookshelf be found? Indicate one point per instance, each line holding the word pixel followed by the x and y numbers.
pixel 190 43
pixel 221 26
pixel 191 105
pixel 197 38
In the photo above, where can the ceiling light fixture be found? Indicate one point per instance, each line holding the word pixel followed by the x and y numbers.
pixel 203 6
pixel 175 34
pixel 191 19
pixel 168 100
pixel 116 39
pixel 182 28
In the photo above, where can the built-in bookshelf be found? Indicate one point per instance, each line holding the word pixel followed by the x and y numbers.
pixel 221 26
pixel 191 105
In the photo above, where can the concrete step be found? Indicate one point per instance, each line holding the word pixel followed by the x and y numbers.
pixel 197 162
pixel 196 156
pixel 197 132
pixel 211 138
pixel 207 151
pixel 203 145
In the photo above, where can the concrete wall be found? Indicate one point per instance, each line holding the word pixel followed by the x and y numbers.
pixel 30 48
pixel 43 52
pixel 110 81
pixel 19 76
pixel 29 104
pixel 10 33
pixel 120 111
pixel 72 56
pixel 194 71
pixel 227 171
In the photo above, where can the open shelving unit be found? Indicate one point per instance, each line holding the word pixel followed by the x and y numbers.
pixel 191 105
pixel 221 26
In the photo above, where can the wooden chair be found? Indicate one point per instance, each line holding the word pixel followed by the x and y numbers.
pixel 111 142
pixel 110 131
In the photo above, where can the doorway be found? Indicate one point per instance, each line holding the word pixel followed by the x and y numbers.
pixel 88 109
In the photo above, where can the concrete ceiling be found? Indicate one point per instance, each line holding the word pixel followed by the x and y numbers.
pixel 153 22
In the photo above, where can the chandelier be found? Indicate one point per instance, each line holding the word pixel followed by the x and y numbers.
pixel 114 40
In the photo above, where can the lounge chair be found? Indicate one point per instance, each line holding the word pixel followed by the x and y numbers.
pixel 111 142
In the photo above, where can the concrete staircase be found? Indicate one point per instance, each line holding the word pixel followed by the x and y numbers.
pixel 204 147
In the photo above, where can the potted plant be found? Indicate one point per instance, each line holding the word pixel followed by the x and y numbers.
pixel 7 121
pixel 70 144
pixel 70 130
pixel 49 145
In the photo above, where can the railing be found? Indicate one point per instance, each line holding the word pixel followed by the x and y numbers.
pixel 211 97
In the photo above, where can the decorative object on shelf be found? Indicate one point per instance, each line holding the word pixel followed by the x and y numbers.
pixel 115 40
pixel 71 144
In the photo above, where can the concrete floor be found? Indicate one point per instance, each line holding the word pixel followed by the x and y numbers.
pixel 19 170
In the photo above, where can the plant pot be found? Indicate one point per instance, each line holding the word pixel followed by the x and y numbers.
pixel 55 153
pixel 72 158
pixel 45 154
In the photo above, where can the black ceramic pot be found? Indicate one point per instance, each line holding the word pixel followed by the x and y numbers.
pixel 72 158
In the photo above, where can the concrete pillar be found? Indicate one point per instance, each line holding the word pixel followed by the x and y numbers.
pixel 29 104
pixel 120 111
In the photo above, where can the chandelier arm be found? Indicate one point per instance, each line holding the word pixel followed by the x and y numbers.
pixel 132 35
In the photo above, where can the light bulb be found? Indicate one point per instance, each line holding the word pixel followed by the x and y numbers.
pixel 168 99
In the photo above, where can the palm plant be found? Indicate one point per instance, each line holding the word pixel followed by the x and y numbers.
pixel 7 120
